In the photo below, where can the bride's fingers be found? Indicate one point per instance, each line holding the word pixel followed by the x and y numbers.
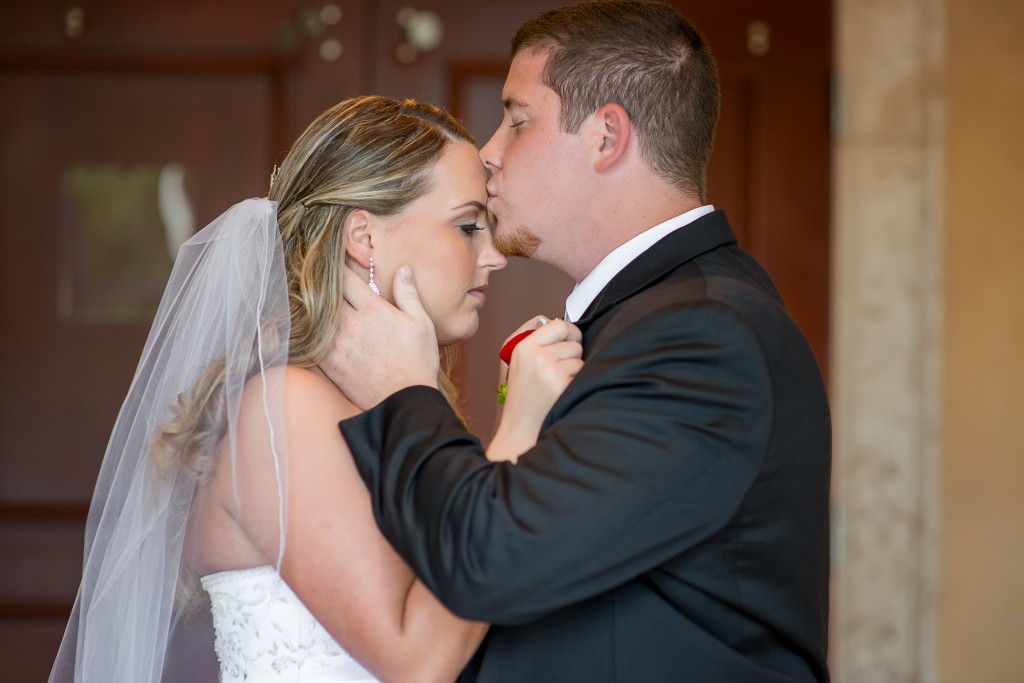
pixel 569 331
pixel 566 330
pixel 530 325
pixel 535 322
pixel 559 359
pixel 574 333
pixel 555 331
pixel 564 350
pixel 570 366
pixel 574 366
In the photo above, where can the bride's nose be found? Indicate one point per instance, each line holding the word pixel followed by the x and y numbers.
pixel 491 258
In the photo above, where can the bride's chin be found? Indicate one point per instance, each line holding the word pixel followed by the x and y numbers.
pixel 450 336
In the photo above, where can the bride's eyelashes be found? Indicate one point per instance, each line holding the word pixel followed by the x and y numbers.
pixel 470 228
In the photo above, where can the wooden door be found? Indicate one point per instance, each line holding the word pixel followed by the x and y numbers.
pixel 108 114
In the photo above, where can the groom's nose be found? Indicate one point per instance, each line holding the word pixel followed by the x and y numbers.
pixel 491 153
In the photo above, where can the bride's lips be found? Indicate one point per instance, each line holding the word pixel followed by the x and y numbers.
pixel 479 293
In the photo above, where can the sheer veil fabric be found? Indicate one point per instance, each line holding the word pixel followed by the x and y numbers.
pixel 226 302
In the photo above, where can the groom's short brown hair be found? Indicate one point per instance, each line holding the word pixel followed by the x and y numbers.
pixel 645 57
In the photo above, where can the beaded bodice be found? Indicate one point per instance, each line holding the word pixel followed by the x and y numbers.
pixel 264 634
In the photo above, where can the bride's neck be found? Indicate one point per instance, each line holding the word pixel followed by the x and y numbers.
pixel 320 371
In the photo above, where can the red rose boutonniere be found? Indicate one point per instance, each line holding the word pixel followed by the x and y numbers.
pixel 506 355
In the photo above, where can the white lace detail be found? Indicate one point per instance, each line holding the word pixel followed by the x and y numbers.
pixel 264 634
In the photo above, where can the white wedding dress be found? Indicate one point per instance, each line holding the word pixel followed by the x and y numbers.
pixel 264 634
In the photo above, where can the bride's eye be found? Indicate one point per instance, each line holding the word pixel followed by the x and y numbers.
pixel 470 228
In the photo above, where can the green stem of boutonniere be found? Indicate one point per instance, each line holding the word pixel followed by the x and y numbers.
pixel 502 393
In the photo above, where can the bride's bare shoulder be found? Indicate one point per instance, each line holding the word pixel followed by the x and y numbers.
pixel 308 396
pixel 309 392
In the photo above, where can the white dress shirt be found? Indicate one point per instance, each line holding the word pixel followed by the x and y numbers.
pixel 584 292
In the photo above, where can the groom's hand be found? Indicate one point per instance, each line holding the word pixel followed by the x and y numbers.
pixel 380 348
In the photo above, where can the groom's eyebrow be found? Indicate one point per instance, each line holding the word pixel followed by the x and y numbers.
pixel 513 103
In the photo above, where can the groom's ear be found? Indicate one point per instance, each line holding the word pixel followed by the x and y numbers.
pixel 358 228
pixel 611 131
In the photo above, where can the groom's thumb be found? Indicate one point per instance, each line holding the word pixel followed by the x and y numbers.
pixel 406 295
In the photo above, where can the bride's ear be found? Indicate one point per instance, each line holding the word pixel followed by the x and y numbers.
pixel 359 228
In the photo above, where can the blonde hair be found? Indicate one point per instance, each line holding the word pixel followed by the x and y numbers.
pixel 370 153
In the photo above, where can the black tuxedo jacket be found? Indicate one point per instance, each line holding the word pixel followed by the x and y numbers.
pixel 671 524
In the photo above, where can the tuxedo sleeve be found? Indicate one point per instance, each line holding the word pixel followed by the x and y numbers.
pixel 649 452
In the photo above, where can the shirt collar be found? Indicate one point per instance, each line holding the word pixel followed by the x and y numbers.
pixel 584 292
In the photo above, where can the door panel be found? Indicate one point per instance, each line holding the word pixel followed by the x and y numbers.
pixel 207 89
pixel 65 376
pixel 106 122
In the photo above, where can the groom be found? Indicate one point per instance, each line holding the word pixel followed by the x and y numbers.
pixel 671 523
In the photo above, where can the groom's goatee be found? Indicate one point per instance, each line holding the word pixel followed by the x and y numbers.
pixel 517 242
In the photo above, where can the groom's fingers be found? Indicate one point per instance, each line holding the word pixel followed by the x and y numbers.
pixel 354 291
pixel 407 297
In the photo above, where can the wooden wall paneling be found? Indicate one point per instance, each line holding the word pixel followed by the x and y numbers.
pixel 221 118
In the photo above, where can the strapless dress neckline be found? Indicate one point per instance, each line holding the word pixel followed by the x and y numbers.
pixel 265 634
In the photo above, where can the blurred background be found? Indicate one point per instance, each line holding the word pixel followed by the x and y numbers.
pixel 870 155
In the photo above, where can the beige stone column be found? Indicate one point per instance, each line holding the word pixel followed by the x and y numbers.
pixel 887 332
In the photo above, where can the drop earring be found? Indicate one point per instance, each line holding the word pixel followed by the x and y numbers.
pixel 373 285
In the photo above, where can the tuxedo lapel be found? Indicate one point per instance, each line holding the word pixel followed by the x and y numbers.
pixel 682 245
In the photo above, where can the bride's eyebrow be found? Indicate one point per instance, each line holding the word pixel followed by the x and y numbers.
pixel 475 204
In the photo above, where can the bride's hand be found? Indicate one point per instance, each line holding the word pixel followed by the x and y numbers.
pixel 541 367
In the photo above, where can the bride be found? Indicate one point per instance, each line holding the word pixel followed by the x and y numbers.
pixel 227 486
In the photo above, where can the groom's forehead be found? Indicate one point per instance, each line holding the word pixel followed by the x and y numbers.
pixel 525 74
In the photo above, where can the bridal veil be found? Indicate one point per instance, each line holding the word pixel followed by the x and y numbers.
pixel 222 326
